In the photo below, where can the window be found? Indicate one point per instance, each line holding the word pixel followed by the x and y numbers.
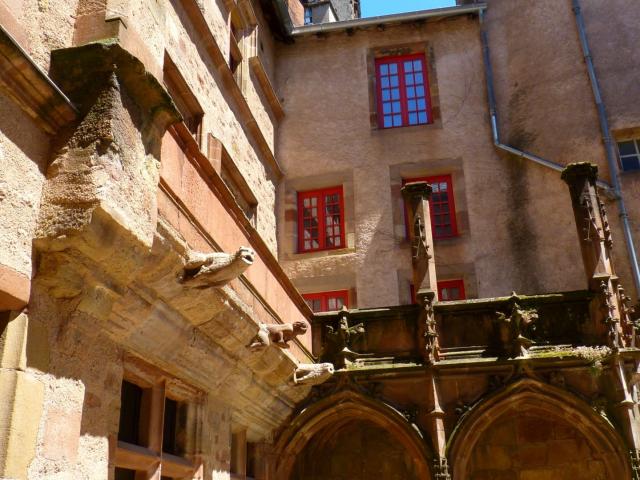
pixel 308 15
pixel 629 151
pixel 441 206
pixel 327 301
pixel 183 97
pixel 449 290
pixel 320 220
pixel 151 434
pixel 403 91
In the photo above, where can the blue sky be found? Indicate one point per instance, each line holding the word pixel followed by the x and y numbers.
pixel 373 8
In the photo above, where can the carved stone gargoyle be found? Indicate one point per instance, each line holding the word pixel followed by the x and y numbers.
pixel 277 334
pixel 515 327
pixel 339 341
pixel 312 373
pixel 216 269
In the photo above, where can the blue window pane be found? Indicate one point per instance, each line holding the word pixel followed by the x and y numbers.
pixel 420 91
pixel 409 79
pixel 394 81
pixel 384 69
pixel 417 65
pixel 396 107
pixel 395 94
pixel 627 148
pixel 386 95
pixel 386 108
pixel 419 79
pixel 388 121
pixel 413 119
pixel 384 81
pixel 630 163
pixel 397 120
pixel 393 68
pixel 411 92
pixel 412 105
pixel 408 66
pixel 422 105
pixel 422 117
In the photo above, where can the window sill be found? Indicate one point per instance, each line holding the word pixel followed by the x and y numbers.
pixel 321 253
pixel 407 128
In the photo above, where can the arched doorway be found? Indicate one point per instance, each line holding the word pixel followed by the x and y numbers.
pixel 350 436
pixel 532 430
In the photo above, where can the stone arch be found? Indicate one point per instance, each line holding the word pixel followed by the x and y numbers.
pixel 536 400
pixel 335 412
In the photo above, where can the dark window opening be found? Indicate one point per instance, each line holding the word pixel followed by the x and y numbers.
pixel 441 205
pixel 629 151
pixel 170 427
pixel 130 404
pixel 125 474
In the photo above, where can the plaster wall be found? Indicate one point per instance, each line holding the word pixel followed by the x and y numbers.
pixel 514 218
pixel 546 106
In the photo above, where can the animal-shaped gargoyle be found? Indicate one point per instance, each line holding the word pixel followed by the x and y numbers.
pixel 278 334
pixel 312 373
pixel 515 328
pixel 216 269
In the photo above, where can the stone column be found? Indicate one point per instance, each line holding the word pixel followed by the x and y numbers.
pixel 416 195
pixel 23 352
pixel 610 312
pixel 440 467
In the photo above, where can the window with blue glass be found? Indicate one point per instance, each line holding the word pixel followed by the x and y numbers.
pixel 403 91
pixel 629 151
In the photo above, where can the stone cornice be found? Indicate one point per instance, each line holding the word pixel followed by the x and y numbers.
pixel 27 85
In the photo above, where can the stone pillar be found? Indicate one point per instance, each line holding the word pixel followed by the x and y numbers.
pixel 23 351
pixel 416 195
pixel 610 309
pixel 440 467
pixel 610 312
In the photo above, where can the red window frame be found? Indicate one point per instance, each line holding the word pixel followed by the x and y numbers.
pixel 407 93
pixel 434 203
pixel 321 204
pixel 448 284
pixel 325 297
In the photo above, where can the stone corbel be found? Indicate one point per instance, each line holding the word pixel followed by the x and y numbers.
pixel 101 188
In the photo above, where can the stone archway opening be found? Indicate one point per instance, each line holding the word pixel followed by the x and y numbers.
pixel 354 450
pixel 350 436
pixel 534 431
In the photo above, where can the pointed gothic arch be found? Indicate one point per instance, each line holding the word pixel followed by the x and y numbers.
pixel 543 401
pixel 332 413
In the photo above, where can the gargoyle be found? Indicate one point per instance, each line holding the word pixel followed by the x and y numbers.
pixel 515 327
pixel 312 373
pixel 278 334
pixel 216 269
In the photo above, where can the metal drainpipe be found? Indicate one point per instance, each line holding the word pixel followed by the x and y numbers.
pixel 608 189
pixel 608 143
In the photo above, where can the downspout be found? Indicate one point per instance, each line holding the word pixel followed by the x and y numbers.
pixel 614 191
pixel 608 143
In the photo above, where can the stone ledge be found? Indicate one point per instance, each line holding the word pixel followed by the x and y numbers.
pixel 27 85
pixel 15 288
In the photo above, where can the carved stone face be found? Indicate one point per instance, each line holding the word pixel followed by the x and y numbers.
pixel 246 254
pixel 300 328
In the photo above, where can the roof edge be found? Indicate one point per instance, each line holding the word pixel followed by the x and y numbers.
pixel 387 19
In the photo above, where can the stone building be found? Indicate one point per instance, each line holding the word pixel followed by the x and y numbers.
pixel 237 246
